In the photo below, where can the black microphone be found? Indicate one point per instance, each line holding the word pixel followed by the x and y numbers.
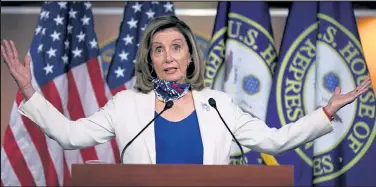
pixel 168 105
pixel 214 105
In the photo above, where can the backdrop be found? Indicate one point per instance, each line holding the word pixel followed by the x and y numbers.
pixel 20 28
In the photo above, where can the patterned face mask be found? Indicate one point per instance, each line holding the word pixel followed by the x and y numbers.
pixel 166 90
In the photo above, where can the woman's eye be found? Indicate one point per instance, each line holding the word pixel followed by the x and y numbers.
pixel 177 47
pixel 158 50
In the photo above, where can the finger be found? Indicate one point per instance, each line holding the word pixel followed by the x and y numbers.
pixel 27 62
pixel 367 83
pixel 4 54
pixel 337 91
pixel 14 49
pixel 5 57
pixel 363 84
pixel 9 51
pixel 361 91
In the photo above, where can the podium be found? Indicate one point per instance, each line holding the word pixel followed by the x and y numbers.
pixel 180 175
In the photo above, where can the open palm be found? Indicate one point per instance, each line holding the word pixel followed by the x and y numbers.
pixel 339 100
pixel 20 72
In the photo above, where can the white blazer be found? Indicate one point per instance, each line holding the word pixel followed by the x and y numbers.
pixel 129 111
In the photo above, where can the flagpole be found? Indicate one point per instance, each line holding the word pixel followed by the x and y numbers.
pixel 275 12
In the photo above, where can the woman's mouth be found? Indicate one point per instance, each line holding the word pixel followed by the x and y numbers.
pixel 170 70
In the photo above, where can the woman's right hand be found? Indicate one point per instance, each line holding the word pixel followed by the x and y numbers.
pixel 20 72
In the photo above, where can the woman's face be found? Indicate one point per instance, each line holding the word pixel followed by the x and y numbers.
pixel 170 55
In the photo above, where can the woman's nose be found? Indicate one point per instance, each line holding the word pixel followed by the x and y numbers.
pixel 169 57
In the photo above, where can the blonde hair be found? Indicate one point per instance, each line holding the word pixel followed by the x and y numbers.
pixel 144 67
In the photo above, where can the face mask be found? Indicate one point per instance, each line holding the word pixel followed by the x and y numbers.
pixel 167 90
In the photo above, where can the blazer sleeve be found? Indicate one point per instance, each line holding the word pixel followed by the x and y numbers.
pixel 81 133
pixel 257 135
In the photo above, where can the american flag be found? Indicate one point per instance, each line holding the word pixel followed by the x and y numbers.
pixel 136 17
pixel 67 71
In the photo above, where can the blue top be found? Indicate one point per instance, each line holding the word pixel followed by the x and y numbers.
pixel 178 142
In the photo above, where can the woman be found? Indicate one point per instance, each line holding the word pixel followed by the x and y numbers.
pixel 170 67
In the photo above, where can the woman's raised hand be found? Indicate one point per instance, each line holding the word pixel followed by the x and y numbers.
pixel 21 72
pixel 338 100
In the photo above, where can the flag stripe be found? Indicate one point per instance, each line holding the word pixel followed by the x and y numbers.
pixel 71 156
pixel 26 147
pixel 76 111
pixel 52 145
pixel 16 160
pixel 118 89
pixel 115 149
pixel 95 74
pixel 52 94
pixel 39 140
pixel 57 158
pixel 67 173
pixel 90 106
pixel 97 81
pixel 56 153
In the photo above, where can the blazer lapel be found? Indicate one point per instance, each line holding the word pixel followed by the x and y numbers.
pixel 204 112
pixel 145 111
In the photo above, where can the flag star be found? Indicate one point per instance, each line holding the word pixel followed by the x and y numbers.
pixel 77 52
pixel 93 43
pixel 69 28
pixel 40 48
pixel 85 20
pixel 55 36
pixel 132 23
pixel 134 61
pixel 47 15
pixel 123 55
pixel 66 44
pixel 43 31
pixel 81 36
pixel 51 52
pixel 65 59
pixel 137 7
pixel 62 5
pixel 87 5
pixel 150 14
pixel 143 28
pixel 119 72
pixel 58 20
pixel 48 68
pixel 38 29
pixel 168 7
pixel 128 39
pixel 72 13
pixel 155 2
pixel 42 14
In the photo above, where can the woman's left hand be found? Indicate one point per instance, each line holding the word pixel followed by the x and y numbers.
pixel 338 100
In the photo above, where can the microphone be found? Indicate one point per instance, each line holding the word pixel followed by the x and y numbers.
pixel 214 105
pixel 168 105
